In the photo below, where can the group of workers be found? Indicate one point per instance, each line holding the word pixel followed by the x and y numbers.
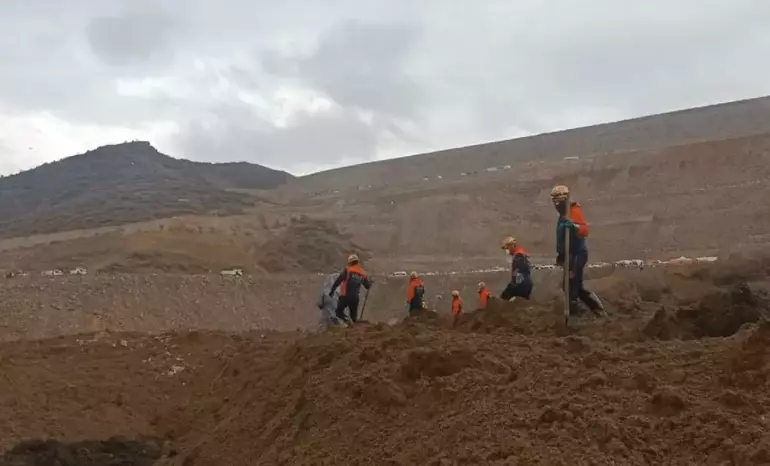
pixel 571 222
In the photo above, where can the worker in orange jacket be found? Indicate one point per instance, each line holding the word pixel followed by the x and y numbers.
pixel 457 307
pixel 573 221
pixel 484 295
pixel 415 295
pixel 350 281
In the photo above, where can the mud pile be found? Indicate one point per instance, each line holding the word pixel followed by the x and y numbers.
pixel 307 245
pixel 410 395
pixel 508 386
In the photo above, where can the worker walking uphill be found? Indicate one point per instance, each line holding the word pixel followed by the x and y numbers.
pixel 349 282
pixel 457 307
pixel 520 285
pixel 484 295
pixel 415 295
pixel 572 220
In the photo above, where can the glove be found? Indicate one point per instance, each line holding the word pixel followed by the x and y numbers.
pixel 568 223
pixel 331 295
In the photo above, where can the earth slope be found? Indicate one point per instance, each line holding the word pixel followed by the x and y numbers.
pixel 509 386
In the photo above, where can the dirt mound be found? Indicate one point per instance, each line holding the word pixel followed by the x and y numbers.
pixel 505 387
pixel 114 451
pixel 388 395
pixel 308 245
pixel 719 314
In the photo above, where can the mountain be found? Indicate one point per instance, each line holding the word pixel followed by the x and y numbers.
pixel 124 183
pixel 714 122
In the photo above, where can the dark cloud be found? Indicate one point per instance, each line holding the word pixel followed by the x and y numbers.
pixel 134 37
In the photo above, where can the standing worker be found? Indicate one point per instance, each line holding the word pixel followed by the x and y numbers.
pixel 349 282
pixel 415 295
pixel 483 295
pixel 457 307
pixel 520 285
pixel 571 219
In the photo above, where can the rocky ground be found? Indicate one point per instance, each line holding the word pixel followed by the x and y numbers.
pixel 677 375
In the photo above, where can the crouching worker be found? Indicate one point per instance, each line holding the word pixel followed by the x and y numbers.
pixel 484 296
pixel 350 281
pixel 415 295
pixel 327 303
pixel 521 272
pixel 457 307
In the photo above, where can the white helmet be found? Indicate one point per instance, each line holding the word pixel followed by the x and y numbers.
pixel 559 193
pixel 413 275
pixel 352 259
pixel 455 293
pixel 508 242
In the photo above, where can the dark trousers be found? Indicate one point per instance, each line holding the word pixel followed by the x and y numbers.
pixel 350 302
pixel 522 290
pixel 415 307
pixel 576 289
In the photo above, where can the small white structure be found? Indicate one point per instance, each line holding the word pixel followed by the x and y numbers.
pixel 79 271
pixel 232 273
pixel 492 169
pixel 706 259
pixel 399 274
pixel 52 273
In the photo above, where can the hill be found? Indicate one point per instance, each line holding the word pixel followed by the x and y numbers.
pixel 709 123
pixel 124 183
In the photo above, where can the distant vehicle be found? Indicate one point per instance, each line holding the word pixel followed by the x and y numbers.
pixel 399 274
pixel 232 273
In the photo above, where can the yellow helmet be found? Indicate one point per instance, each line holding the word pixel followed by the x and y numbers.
pixel 455 293
pixel 352 259
pixel 508 242
pixel 559 193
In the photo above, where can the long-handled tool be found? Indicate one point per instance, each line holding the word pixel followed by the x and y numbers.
pixel 363 306
pixel 566 273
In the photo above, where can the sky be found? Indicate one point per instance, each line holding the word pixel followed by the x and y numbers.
pixel 307 85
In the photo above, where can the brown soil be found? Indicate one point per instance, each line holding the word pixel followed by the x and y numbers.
pixel 510 385
pixel 114 451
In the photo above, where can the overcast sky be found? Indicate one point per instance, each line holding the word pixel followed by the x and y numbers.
pixel 304 85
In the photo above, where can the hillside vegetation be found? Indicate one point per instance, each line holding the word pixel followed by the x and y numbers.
pixel 124 183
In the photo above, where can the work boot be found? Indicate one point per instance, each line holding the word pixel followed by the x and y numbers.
pixel 597 306
pixel 574 309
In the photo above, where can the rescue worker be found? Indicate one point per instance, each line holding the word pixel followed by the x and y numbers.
pixel 520 285
pixel 457 307
pixel 483 295
pixel 328 304
pixel 571 219
pixel 415 295
pixel 349 282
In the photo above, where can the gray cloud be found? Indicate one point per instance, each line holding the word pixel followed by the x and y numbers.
pixel 303 83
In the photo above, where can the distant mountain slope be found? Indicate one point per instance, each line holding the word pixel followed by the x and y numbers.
pixel 714 122
pixel 123 183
